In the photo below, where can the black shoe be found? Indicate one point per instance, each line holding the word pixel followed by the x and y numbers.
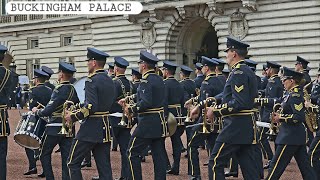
pixel 229 174
pixel 143 158
pixel 58 150
pixel 95 178
pixel 114 149
pixel 172 172
pixel 41 175
pixel 121 178
pixel 206 163
pixel 183 150
pixel 31 171
pixel 85 164
pixel 195 178
pixel 267 165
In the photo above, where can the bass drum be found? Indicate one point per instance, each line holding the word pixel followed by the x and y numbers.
pixel 79 86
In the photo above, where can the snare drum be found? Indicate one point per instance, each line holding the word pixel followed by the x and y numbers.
pixel 29 131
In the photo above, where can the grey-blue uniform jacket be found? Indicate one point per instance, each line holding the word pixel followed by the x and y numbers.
pixel 99 96
pixel 6 87
pixel 150 107
pixel 48 84
pixel 174 97
pixel 273 94
pixel 292 130
pixel 122 85
pixel 39 95
pixel 189 87
pixel 63 92
pixel 198 80
pixel 307 77
pixel 135 85
pixel 212 85
pixel 315 93
pixel 237 106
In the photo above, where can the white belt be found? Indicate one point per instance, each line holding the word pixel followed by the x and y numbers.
pixel 116 114
pixel 54 124
pixel 263 124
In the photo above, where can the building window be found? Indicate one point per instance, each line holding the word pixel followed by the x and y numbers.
pixel 69 60
pixel 66 40
pixel 33 43
pixel 32 64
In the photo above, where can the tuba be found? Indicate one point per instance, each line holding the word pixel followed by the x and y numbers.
pixel 66 128
pixel 311 117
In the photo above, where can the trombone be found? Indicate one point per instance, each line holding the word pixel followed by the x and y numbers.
pixel 66 128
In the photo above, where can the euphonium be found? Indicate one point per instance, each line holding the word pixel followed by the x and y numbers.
pixel 188 118
pixel 128 100
pixel 204 125
pixel 311 117
pixel 274 127
pixel 66 128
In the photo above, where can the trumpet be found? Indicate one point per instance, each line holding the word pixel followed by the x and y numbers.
pixel 274 127
pixel 66 128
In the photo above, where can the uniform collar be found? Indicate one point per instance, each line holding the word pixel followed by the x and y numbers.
pixel 40 84
pixel 1 64
pixel 292 89
pixel 273 76
pixel 148 72
pixel 211 74
pixel 219 74
pixel 236 64
pixel 120 75
pixel 98 71
pixel 136 81
pixel 199 74
pixel 186 78
pixel 65 82
pixel 47 81
pixel 170 77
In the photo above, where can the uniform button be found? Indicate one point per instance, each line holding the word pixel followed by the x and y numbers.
pixel 104 127
pixel 104 139
pixel 6 121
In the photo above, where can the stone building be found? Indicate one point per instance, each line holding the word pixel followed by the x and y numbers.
pixel 178 30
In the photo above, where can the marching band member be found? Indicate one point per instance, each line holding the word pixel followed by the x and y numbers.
pixel 211 86
pixel 238 135
pixel 189 87
pixel 272 93
pixel 121 132
pixel 174 100
pixel 39 96
pixel 291 139
pixel 6 87
pixel 152 126
pixel 94 133
pixel 63 92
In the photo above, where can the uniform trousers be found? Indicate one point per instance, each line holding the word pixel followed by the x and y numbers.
pixel 101 154
pixel 48 145
pixel 136 146
pixel 122 136
pixel 282 158
pixel 196 140
pixel 221 154
pixel 314 154
pixel 3 157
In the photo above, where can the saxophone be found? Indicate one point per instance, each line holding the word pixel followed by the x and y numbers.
pixel 311 117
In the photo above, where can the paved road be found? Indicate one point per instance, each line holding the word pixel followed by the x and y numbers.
pixel 17 162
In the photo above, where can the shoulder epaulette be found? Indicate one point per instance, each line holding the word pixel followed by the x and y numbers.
pixel 295 95
pixel 145 76
pixel 238 71
pixel 238 66
pixel 296 90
